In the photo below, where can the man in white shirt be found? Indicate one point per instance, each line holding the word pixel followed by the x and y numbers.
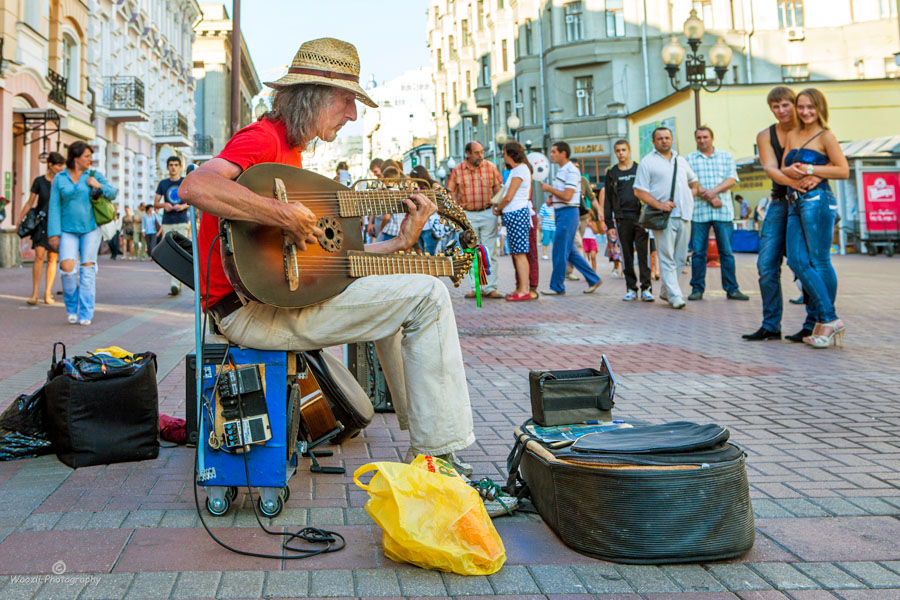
pixel 564 197
pixel 653 186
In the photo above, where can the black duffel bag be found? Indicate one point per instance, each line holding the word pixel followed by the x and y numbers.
pixel 102 410
pixel 651 494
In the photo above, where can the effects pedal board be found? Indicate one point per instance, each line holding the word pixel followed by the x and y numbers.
pixel 243 385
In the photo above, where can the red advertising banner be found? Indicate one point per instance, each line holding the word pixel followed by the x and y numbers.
pixel 881 197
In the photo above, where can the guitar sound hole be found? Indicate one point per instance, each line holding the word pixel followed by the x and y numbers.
pixel 333 238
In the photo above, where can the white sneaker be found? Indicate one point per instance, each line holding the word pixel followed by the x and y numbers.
pixel 630 295
pixel 545 257
pixel 573 277
pixel 72 319
pixel 646 296
pixel 678 303
pixel 84 322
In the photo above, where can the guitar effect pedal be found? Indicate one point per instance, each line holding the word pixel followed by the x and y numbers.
pixel 243 401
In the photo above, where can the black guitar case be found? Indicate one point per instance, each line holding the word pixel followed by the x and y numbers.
pixel 651 494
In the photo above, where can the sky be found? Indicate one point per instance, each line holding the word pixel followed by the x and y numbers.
pixel 389 36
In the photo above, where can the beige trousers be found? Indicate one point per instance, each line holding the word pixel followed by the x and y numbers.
pixel 411 319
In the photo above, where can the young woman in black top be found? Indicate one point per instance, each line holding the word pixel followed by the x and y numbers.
pixel 40 199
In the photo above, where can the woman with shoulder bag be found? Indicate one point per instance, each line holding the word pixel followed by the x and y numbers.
pixel 40 199
pixel 74 232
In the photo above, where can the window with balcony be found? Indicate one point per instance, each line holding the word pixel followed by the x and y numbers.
pixel 794 73
pixel 504 58
pixel 532 93
pixel 70 63
pixel 574 22
pixel 33 14
pixel 480 13
pixel 529 36
pixel 486 70
pixel 464 30
pixel 615 18
pixel 790 13
pixel 584 96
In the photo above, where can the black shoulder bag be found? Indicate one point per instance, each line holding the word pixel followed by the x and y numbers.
pixel 654 218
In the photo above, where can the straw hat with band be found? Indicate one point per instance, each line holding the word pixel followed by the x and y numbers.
pixel 326 61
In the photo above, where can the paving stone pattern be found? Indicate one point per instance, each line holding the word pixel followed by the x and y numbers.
pixel 820 429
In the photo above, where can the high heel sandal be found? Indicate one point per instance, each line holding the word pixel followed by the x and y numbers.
pixel 820 339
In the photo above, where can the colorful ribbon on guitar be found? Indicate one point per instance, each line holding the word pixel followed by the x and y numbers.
pixel 481 268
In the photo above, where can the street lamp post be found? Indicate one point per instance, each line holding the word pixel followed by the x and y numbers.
pixel 695 68
pixel 513 123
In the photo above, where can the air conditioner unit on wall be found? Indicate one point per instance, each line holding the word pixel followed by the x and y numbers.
pixel 795 34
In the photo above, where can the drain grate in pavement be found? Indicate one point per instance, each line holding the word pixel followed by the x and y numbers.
pixel 498 331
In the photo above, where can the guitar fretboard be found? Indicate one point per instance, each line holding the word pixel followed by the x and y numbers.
pixel 366 263
pixel 375 202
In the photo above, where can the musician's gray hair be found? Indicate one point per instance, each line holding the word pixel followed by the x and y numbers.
pixel 299 107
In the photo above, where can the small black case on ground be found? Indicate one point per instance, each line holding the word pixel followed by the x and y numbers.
pixel 573 396
pixel 102 421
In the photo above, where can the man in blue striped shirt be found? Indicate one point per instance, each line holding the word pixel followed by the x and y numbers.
pixel 717 174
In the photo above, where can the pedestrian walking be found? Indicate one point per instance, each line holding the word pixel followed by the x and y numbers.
pixel 547 223
pixel 515 208
pixel 564 197
pixel 128 234
pixel 343 174
pixel 813 149
pixel 39 201
pixel 665 181
pixel 151 228
pixel 74 232
pixel 622 211
pixel 175 216
pixel 770 144
pixel 472 184
pixel 717 174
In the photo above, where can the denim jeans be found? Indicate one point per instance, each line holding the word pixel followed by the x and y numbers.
pixel 564 250
pixel 810 228
pixel 79 289
pixel 672 244
pixel 429 243
pixel 410 317
pixel 700 245
pixel 768 266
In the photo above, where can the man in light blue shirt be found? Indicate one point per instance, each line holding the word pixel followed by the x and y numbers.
pixel 717 174
pixel 653 185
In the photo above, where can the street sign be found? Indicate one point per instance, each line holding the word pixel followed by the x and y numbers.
pixel 519 105
pixel 415 161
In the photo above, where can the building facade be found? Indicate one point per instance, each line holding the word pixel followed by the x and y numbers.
pixel 405 114
pixel 45 94
pixel 212 73
pixel 139 68
pixel 575 70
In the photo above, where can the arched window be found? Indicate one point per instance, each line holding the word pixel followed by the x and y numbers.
pixel 70 59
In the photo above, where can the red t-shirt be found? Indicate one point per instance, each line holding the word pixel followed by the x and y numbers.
pixel 260 142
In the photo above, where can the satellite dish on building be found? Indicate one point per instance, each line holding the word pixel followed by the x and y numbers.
pixel 540 165
pixel 165 151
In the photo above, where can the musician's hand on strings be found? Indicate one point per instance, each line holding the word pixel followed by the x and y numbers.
pixel 301 225
pixel 420 210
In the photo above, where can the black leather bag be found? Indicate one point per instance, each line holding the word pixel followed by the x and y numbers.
pixel 572 396
pixel 104 419
pixel 654 218
pixel 30 223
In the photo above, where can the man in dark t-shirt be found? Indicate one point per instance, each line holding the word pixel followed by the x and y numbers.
pixel 175 212
pixel 622 204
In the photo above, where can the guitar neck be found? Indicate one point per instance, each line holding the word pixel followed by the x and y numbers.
pixel 375 202
pixel 363 264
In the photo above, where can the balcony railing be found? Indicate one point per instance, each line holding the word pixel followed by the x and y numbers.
pixel 203 144
pixel 123 93
pixel 58 86
pixel 170 123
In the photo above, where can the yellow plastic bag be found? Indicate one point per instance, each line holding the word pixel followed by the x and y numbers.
pixel 115 352
pixel 431 520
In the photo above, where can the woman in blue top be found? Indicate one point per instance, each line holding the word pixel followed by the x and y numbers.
pixel 73 230
pixel 812 149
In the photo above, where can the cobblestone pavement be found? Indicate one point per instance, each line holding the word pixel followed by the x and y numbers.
pixel 820 428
